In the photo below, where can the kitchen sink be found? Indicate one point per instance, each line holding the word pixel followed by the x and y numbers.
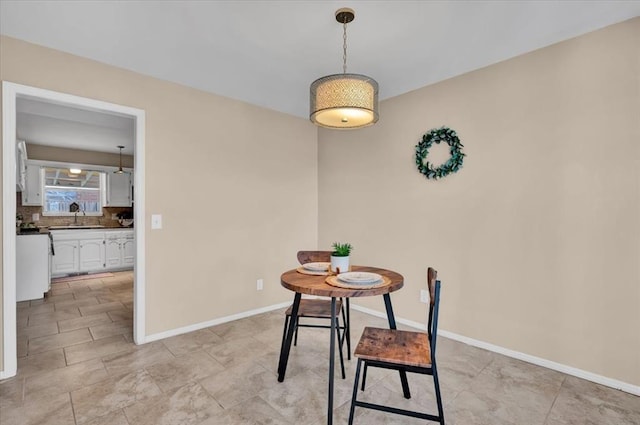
pixel 76 226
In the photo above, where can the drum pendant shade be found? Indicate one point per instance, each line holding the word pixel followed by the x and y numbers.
pixel 344 100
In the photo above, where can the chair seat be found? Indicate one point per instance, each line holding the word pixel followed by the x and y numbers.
pixel 316 308
pixel 403 348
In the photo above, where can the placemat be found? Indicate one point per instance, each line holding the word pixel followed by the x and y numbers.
pixel 334 281
pixel 312 272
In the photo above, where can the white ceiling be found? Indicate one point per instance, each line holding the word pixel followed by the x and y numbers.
pixel 44 123
pixel 268 52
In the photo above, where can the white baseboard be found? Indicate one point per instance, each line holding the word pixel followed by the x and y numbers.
pixel 214 322
pixel 569 370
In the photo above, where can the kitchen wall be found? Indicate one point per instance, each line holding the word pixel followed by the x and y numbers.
pixel 236 185
pixel 537 237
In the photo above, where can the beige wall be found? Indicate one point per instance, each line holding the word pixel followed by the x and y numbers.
pixel 224 175
pixel 537 238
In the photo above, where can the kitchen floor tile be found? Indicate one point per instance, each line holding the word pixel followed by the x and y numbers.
pixel 96 349
pixel 101 308
pixel 101 331
pixel 83 322
pixel 50 410
pixel 42 362
pixel 141 356
pixel 66 339
pixel 46 318
pixel 64 379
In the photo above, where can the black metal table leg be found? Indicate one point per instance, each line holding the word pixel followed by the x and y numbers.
pixel 332 359
pixel 392 325
pixel 286 347
pixel 348 330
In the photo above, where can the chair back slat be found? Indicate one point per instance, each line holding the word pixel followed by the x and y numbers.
pixel 313 256
pixel 433 284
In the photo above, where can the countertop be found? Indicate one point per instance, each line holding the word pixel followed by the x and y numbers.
pixel 41 231
pixel 45 230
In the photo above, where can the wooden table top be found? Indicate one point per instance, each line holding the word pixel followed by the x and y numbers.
pixel 316 285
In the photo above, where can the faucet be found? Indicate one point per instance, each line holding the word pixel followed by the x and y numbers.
pixel 75 216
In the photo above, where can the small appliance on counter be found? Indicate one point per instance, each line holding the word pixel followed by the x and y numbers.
pixel 125 219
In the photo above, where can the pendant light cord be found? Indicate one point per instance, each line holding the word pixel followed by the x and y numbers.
pixel 344 46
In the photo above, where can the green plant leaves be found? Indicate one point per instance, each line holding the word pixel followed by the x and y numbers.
pixel 341 249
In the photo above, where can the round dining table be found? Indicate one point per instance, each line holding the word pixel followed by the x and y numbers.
pixel 301 283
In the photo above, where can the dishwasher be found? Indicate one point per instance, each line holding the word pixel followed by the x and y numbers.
pixel 33 266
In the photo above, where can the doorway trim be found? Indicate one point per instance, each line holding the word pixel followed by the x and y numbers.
pixel 10 93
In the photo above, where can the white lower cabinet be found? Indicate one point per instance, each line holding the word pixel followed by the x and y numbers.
pixel 113 252
pixel 81 251
pixel 128 249
pixel 92 255
pixel 66 258
pixel 120 250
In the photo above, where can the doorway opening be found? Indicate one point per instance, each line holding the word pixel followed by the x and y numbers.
pixel 11 94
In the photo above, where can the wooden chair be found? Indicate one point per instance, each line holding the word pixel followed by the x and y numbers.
pixel 402 350
pixel 320 309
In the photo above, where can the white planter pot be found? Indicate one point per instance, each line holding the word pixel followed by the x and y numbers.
pixel 341 263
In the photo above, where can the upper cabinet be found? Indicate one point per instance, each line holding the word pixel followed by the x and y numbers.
pixel 119 190
pixel 21 165
pixel 32 191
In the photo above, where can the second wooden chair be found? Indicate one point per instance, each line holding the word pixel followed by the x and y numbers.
pixel 318 308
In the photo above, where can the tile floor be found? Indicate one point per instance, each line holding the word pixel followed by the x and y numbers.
pixel 77 365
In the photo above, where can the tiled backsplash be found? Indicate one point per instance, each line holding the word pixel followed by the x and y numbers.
pixel 28 211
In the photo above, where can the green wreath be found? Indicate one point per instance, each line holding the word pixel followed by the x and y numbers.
pixel 437 135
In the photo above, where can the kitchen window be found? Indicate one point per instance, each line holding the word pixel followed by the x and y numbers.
pixel 65 186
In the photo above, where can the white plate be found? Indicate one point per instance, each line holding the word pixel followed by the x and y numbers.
pixel 359 277
pixel 316 267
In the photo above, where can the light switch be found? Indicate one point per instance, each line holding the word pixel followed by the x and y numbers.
pixel 156 221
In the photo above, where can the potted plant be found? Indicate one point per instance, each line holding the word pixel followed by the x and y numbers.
pixel 340 257
pixel 18 220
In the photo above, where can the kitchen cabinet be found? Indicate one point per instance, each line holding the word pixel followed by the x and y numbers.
pixel 92 256
pixel 119 190
pixel 32 192
pixel 66 258
pixel 128 249
pixel 89 251
pixel 120 250
pixel 21 165
pixel 113 256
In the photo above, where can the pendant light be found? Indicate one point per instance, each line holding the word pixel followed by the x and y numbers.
pixel 344 100
pixel 120 171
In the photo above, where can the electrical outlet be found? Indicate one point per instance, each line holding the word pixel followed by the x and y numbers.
pixel 114 216
pixel 35 217
pixel 424 296
pixel 259 284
